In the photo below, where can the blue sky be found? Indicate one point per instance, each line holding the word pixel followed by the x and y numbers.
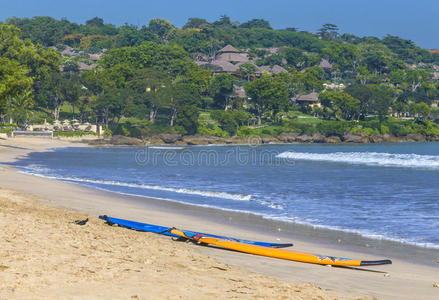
pixel 416 20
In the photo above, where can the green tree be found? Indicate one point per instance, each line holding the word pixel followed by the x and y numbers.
pixel 184 96
pixel 415 78
pixel 195 23
pixel 14 80
pixel 267 93
pixel 230 121
pixel 247 69
pixel 152 86
pixel 256 23
pixel 45 30
pixel 346 106
pixel 187 118
pixel 400 108
pixel 112 105
pixel 328 32
pixel 309 81
pixel 20 107
pixel 163 28
pixel 376 57
pixel 343 56
pixel 421 110
pixel 295 57
pixel 171 59
pixel 221 87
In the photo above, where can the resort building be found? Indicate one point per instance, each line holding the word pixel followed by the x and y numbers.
pixel 232 55
pixel 311 99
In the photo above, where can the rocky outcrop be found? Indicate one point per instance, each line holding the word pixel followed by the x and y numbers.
pixel 175 139
pixel 414 137
pixel 304 138
pixel 318 138
pixel 288 137
pixel 333 139
pixel 170 138
pixel 117 140
pixel 269 140
pixel 352 138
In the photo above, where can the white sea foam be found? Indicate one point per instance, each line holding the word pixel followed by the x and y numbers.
pixel 369 158
pixel 361 232
pixel 165 148
pixel 222 195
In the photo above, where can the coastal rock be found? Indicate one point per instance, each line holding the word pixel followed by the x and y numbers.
pixel 388 138
pixel 269 140
pixel 333 139
pixel 304 138
pixel 170 138
pixel 352 138
pixel 120 140
pixel 154 141
pixel 378 138
pixel 318 138
pixel 288 137
pixel 197 140
pixel 415 137
pixel 434 138
pixel 99 142
pixel 117 140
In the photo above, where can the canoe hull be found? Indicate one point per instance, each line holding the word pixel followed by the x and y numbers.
pixel 278 253
pixel 166 231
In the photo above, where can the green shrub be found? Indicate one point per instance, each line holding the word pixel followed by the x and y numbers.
pixel 358 130
pixel 231 120
pixel 245 131
pixel 432 129
pixel 266 131
pixel 212 130
pixel 72 133
pixel 370 131
pixel 398 129
pixel 300 127
pixel 277 131
pixel 337 128
pixel 108 131
pixel 6 130
pixel 385 129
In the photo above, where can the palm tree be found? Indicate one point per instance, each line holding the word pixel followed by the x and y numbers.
pixel 20 107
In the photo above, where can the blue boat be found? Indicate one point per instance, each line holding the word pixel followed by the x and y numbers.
pixel 165 231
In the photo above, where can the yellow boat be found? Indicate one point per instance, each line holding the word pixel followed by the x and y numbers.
pixel 277 253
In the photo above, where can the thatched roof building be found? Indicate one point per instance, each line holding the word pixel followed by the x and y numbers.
pixel 325 65
pixel 232 55
pixel 218 66
pixel 276 69
pixel 306 100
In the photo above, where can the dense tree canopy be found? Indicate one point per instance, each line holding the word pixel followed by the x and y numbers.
pixel 109 73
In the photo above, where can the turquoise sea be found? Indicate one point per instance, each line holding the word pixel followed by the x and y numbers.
pixel 381 191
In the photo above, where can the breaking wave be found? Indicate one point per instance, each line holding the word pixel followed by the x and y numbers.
pixel 222 195
pixel 369 158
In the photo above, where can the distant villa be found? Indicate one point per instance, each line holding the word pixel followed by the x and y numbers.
pixel 229 59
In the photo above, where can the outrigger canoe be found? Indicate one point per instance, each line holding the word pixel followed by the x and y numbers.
pixel 166 231
pixel 276 253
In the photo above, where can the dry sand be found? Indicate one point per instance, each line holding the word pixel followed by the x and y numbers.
pixel 44 255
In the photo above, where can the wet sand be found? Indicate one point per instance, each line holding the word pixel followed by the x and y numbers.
pixel 411 276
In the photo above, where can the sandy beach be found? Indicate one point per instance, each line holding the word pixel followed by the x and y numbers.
pixel 45 255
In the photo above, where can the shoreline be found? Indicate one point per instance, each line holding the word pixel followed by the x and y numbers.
pixel 201 140
pixel 243 225
pixel 318 234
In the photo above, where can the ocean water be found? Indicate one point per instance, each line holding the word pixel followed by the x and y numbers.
pixel 382 191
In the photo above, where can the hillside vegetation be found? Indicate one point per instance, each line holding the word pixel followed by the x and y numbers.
pixel 156 79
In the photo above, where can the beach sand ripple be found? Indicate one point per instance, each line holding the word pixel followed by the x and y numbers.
pixel 45 255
